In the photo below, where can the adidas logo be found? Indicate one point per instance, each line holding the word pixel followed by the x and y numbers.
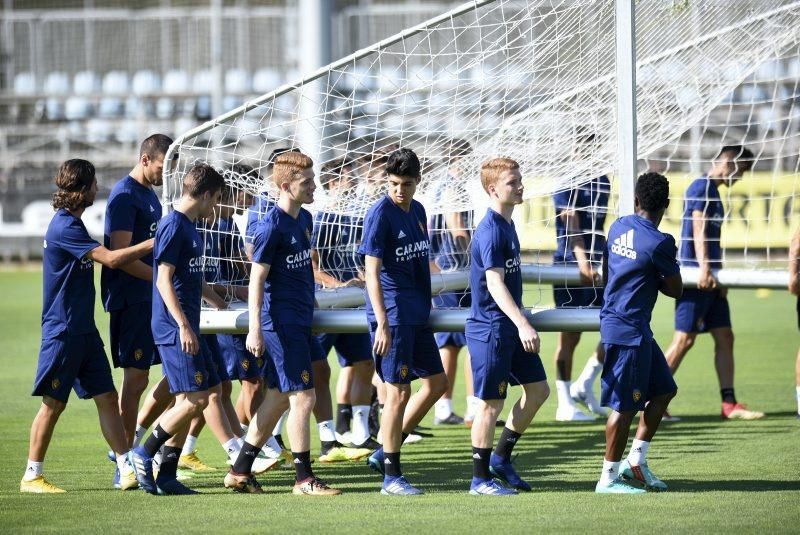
pixel 623 245
pixel 250 453
pixel 401 235
pixel 476 456
pixel 155 433
pixel 293 240
pixel 152 209
pixel 512 440
pixel 298 461
pixel 387 461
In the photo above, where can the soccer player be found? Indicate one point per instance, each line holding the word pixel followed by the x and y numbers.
pixel 580 217
pixel 281 307
pixel 638 263
pixel 395 247
pixel 794 288
pixel 72 354
pixel 336 265
pixel 450 238
pixel 177 289
pixel 503 346
pixel 131 217
pixel 705 308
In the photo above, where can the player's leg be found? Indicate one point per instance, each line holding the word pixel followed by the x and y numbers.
pixel 361 397
pixel 469 389
pixel 567 411
pixel 41 433
pixel 157 400
pixel 448 352
pixel 344 405
pixel 330 450
pixel 582 390
pixel 427 365
pixel 107 405
pixel 724 363
pixel 175 423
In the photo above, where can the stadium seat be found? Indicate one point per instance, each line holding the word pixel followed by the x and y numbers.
pixel 77 108
pixel 752 94
pixel 145 82
pixel 115 84
pixel 184 124
pixel 25 83
pixel 237 82
pixel 176 82
pixel 86 83
pixel 99 130
pixel 56 86
pixel 128 132
pixel 266 80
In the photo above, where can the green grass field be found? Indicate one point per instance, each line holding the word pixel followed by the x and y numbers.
pixel 723 476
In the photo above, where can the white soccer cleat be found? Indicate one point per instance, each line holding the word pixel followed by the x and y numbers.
pixel 585 396
pixel 412 438
pixel 570 413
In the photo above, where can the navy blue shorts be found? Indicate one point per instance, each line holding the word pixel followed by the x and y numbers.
pixel 498 359
pixel 239 362
pixel 132 343
pixel 76 362
pixel 413 353
pixel 633 375
pixel 185 372
pixel 350 348
pixel 317 351
pixel 216 364
pixel 288 362
pixel 699 311
pixel 582 296
pixel 458 340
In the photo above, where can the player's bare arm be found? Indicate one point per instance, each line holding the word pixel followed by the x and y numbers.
pixel 499 292
pixel 794 264
pixel 123 257
pixel 706 280
pixel 255 299
pixel 189 341
pixel 383 336
pixel 120 239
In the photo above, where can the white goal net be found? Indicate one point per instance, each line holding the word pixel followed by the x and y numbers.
pixel 535 81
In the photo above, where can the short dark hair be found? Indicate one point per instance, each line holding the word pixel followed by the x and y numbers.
pixel 743 156
pixel 403 162
pixel 456 149
pixel 332 170
pixel 73 180
pixel 200 179
pixel 155 146
pixel 652 190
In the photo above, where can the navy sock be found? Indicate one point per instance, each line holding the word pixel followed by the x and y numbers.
pixel 343 418
pixel 168 469
pixel 508 439
pixel 727 395
pixel 244 462
pixel 480 462
pixel 154 442
pixel 391 463
pixel 302 465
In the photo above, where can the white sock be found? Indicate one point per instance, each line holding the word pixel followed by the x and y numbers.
pixel 326 433
pixel 189 445
pixel 138 435
pixel 638 452
pixel 279 425
pixel 244 427
pixel 590 372
pixel 562 389
pixel 33 470
pixel 610 471
pixel 232 448
pixel 272 448
pixel 444 408
pixel 123 464
pixel 798 399
pixel 360 424
pixel 472 405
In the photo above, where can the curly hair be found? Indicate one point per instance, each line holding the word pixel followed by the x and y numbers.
pixel 652 190
pixel 73 180
pixel 492 169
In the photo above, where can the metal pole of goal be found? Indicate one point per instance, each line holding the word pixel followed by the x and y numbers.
pixel 626 103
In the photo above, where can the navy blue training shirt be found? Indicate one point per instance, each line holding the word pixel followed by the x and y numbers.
pixel 495 244
pixel 589 201
pixel 702 195
pixel 400 240
pixel 178 243
pixel 132 208
pixel 68 277
pixel 284 243
pixel 639 257
pixel 336 238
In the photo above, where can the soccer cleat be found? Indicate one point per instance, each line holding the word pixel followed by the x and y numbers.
pixel 504 470
pixel 618 486
pixel 173 487
pixel 739 411
pixel 571 413
pixel 371 444
pixel 412 438
pixel 111 456
pixel 242 483
pixel 669 418
pixel 192 462
pixel 343 438
pixel 585 396
pixel 262 464
pixel 641 475
pixel 399 486
pixel 336 454
pixel 143 467
pixel 489 487
pixel 375 461
pixel 39 486
pixel 115 481
pixel 452 419
pixel 313 486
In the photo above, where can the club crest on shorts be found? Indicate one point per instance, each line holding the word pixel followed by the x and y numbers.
pixel 55 383
pixel 403 371
pixel 259 362
pixel 198 378
pixel 137 355
pixel 245 364
pixel 502 387
pixel 637 395
pixel 305 376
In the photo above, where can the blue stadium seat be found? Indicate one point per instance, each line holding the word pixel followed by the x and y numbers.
pixel 56 86
pixel 176 82
pixel 116 85
pixel 145 83
pixel 25 83
pixel 266 80
pixel 86 83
